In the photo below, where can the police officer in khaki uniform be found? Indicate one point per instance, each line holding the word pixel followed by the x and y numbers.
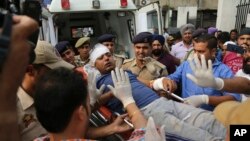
pixel 29 126
pixel 83 47
pixel 46 59
pixel 109 41
pixel 143 65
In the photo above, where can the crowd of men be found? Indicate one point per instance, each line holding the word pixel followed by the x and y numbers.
pixel 54 95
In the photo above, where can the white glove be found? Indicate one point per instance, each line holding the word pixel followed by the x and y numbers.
pixel 122 88
pixel 197 100
pixel 158 84
pixel 94 93
pixel 151 132
pixel 203 75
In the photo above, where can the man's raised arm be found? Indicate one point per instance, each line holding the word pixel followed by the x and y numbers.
pixel 203 76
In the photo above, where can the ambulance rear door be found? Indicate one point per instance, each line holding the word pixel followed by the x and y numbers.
pixel 149 18
pixel 93 18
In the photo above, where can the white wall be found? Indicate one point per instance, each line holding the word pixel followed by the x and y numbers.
pixel 248 20
pixel 182 15
pixel 226 14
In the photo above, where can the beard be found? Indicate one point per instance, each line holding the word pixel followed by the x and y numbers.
pixel 157 52
pixel 246 66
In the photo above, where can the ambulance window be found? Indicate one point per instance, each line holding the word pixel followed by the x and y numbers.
pixel 131 29
pixel 152 20
pixel 84 31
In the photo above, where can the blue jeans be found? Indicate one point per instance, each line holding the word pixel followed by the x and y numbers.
pixel 184 121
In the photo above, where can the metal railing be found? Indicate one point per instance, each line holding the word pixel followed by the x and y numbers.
pixel 243 8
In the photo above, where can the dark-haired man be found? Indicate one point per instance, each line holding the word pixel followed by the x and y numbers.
pixel 67 118
pixel 63 111
pixel 222 38
pixel 142 65
pixel 109 41
pixel 203 76
pixel 245 71
pixel 66 51
pixel 233 35
pixel 198 96
pixel 46 59
pixel 235 59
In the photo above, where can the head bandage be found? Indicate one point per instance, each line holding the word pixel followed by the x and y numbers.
pixel 98 51
pixel 229 42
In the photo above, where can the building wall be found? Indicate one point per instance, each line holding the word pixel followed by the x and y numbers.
pixel 185 13
pixel 178 3
pixel 248 20
pixel 226 15
pixel 207 4
pixel 188 6
pixel 201 4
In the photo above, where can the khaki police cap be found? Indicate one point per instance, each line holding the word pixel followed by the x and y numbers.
pixel 48 55
pixel 82 41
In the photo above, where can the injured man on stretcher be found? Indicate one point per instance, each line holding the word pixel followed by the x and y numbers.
pixel 182 121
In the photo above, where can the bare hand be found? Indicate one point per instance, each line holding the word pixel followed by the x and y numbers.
pixel 119 125
pixel 23 27
pixel 169 85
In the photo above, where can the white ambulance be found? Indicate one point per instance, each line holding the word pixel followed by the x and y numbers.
pixel 72 19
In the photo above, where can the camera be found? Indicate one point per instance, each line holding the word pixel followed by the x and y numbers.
pixel 5 35
pixel 31 8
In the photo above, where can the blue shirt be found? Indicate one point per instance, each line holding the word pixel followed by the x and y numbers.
pixel 142 94
pixel 219 55
pixel 189 88
pixel 45 3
